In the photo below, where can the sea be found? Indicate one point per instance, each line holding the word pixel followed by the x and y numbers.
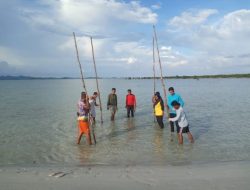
pixel 38 124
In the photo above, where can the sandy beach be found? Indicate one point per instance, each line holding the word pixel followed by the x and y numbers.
pixel 227 175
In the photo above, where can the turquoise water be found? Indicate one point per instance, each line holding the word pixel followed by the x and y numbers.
pixel 38 124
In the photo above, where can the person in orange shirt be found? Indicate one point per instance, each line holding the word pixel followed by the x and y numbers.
pixel 130 103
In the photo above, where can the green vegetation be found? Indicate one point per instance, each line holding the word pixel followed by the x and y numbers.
pixel 196 76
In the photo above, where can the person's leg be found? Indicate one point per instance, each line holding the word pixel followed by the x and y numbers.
pixel 88 138
pixel 160 121
pixel 190 137
pixel 172 115
pixel 177 126
pixel 112 113
pixel 128 111
pixel 132 111
pixel 180 138
pixel 79 138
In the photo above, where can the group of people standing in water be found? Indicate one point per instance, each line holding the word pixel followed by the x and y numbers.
pixel 86 112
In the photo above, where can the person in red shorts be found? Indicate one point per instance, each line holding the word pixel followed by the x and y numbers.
pixel 83 120
pixel 130 103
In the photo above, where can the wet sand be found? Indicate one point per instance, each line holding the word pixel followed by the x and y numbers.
pixel 223 175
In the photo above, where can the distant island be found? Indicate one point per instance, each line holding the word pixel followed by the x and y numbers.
pixel 128 78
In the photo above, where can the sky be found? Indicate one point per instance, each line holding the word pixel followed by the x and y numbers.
pixel 194 37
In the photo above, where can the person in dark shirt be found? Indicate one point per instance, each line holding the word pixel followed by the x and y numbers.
pixel 112 103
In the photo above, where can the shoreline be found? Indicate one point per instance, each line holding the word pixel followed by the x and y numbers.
pixel 220 175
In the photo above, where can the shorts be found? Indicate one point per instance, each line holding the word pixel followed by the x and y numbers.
pixel 83 127
pixel 183 129
pixel 112 109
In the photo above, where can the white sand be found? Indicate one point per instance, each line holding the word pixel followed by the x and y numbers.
pixel 228 176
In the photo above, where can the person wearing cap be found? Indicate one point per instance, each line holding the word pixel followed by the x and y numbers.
pixel 112 103
pixel 83 122
pixel 172 112
pixel 130 103
pixel 158 109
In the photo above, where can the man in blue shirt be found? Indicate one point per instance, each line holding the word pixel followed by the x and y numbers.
pixel 172 113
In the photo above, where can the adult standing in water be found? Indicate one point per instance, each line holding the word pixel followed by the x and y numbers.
pixel 112 103
pixel 171 98
pixel 83 122
pixel 130 103
pixel 158 109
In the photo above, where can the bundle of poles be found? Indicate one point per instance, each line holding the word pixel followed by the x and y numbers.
pixel 96 77
pixel 156 46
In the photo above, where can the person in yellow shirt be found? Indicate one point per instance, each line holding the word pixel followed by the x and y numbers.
pixel 158 109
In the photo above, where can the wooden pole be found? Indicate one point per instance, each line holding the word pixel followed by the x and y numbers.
pixel 96 77
pixel 154 69
pixel 79 63
pixel 162 80
pixel 154 61
pixel 83 82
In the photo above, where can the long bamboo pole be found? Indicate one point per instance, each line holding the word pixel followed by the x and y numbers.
pixel 79 63
pixel 162 80
pixel 154 68
pixel 83 82
pixel 96 77
pixel 154 61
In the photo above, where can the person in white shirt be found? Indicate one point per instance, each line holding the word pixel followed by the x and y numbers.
pixel 92 103
pixel 182 122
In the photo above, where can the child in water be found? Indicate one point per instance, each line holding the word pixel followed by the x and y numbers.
pixel 182 121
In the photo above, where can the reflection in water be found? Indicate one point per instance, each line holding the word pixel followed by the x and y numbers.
pixel 158 144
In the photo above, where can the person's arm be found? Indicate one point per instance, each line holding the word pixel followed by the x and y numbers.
pixel 116 103
pixel 178 115
pixel 108 102
pixel 135 102
pixel 162 105
pixel 181 101
pixel 126 102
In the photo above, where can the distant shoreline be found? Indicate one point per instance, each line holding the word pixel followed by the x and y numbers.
pixel 197 77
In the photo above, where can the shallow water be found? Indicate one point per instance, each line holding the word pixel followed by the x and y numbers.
pixel 38 124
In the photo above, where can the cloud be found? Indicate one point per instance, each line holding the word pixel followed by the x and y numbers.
pixel 220 46
pixel 93 17
pixel 191 18
pixel 156 6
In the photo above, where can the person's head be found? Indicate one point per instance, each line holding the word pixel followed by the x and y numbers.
pixel 95 94
pixel 175 104
pixel 157 95
pixel 171 90
pixel 113 90
pixel 83 95
pixel 129 91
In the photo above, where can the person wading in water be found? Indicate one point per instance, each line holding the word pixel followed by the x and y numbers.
pixel 130 103
pixel 112 103
pixel 158 109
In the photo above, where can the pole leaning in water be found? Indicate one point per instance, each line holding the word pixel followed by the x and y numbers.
pixel 83 82
pixel 162 80
pixel 79 63
pixel 96 77
pixel 154 69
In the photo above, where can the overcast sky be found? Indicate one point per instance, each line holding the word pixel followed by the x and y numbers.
pixel 195 37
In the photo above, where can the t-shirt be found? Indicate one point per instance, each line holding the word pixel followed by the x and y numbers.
pixel 92 107
pixel 159 107
pixel 112 100
pixel 180 117
pixel 130 100
pixel 174 97
pixel 82 110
